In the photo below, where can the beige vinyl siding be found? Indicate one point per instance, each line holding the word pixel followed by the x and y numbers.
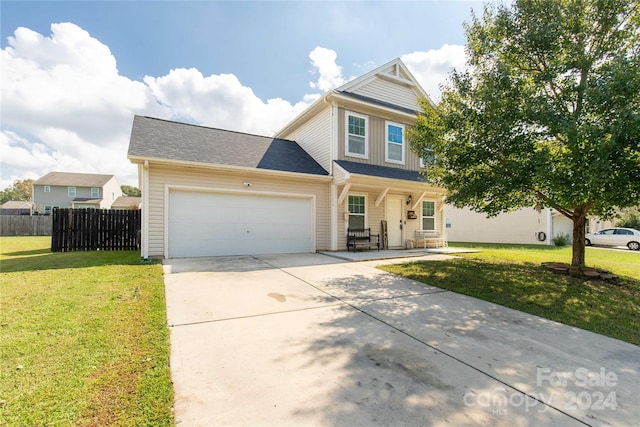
pixel 314 137
pixel 391 92
pixel 377 141
pixel 162 175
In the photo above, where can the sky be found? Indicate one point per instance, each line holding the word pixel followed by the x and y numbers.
pixel 74 73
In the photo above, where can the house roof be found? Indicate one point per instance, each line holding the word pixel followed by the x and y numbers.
pixel 126 201
pixel 16 204
pixel 74 179
pixel 380 171
pixel 86 200
pixel 153 138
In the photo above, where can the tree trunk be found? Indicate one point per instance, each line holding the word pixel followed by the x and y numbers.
pixel 579 223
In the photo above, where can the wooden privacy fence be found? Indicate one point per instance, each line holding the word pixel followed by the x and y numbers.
pixel 25 225
pixel 95 229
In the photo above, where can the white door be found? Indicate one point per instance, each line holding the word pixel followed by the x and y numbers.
pixel 394 221
pixel 213 224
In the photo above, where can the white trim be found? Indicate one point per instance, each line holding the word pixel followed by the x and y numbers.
pixel 403 144
pixel 348 153
pixel 216 190
pixel 344 193
pixel 75 191
pixel 333 242
pixel 47 189
pixel 144 171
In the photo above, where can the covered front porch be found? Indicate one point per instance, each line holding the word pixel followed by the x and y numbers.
pixel 394 203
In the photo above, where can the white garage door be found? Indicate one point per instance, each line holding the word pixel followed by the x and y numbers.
pixel 213 224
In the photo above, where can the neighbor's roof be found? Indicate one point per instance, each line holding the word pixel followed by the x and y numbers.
pixel 153 138
pixel 127 201
pixel 74 179
pixel 16 204
pixel 380 171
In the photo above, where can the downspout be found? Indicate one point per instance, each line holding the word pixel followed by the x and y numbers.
pixel 144 171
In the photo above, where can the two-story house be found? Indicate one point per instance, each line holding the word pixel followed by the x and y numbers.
pixel 342 163
pixel 74 190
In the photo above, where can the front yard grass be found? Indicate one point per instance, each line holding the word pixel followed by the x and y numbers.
pixel 84 339
pixel 511 275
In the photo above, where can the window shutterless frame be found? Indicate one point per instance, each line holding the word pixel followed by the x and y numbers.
pixel 356 140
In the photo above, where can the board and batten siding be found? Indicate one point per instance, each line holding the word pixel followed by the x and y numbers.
pixel 377 141
pixel 391 92
pixel 160 176
pixel 315 137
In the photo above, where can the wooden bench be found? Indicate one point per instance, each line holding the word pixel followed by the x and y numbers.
pixel 362 238
pixel 429 239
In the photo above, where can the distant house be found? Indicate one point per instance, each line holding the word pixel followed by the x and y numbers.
pixel 74 190
pixel 523 226
pixel 127 202
pixel 16 208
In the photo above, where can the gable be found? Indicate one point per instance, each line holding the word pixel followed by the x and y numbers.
pixel 391 83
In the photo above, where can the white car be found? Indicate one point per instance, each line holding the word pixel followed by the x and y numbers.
pixel 617 236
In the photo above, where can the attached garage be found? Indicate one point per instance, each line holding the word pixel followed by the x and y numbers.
pixel 225 223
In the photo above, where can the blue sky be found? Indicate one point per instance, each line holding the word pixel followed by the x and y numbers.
pixel 77 72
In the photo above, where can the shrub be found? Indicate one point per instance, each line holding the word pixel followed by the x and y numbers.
pixel 561 239
pixel 630 219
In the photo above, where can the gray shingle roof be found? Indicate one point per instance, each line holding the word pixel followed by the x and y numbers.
pixel 162 139
pixel 380 171
pixel 73 179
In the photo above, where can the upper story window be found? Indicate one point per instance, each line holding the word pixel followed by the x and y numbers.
pixel 428 215
pixel 47 189
pixel 356 141
pixel 357 211
pixel 71 191
pixel 429 159
pixel 394 150
pixel 95 192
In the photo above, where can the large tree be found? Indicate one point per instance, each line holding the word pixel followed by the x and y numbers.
pixel 547 113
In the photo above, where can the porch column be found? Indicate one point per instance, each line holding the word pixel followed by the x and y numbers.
pixel 333 241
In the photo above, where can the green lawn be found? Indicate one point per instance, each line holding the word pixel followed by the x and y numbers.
pixel 511 275
pixel 84 339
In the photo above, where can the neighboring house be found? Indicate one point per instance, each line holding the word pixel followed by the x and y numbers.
pixel 344 162
pixel 526 226
pixel 16 208
pixel 74 190
pixel 127 203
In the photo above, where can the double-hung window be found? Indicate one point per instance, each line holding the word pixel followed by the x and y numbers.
pixel 394 148
pixel 47 189
pixel 95 192
pixel 356 140
pixel 357 211
pixel 71 191
pixel 428 215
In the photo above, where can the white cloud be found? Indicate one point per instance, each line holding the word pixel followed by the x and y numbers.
pixel 432 68
pixel 330 73
pixel 220 101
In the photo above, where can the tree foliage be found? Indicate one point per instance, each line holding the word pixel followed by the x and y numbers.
pixel 547 115
pixel 20 190
pixel 130 191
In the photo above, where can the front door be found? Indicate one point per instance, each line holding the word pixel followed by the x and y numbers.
pixel 394 221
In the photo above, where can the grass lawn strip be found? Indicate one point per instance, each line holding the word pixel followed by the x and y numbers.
pixel 84 338
pixel 512 276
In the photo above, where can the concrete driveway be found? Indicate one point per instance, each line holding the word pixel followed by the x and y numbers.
pixel 310 340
